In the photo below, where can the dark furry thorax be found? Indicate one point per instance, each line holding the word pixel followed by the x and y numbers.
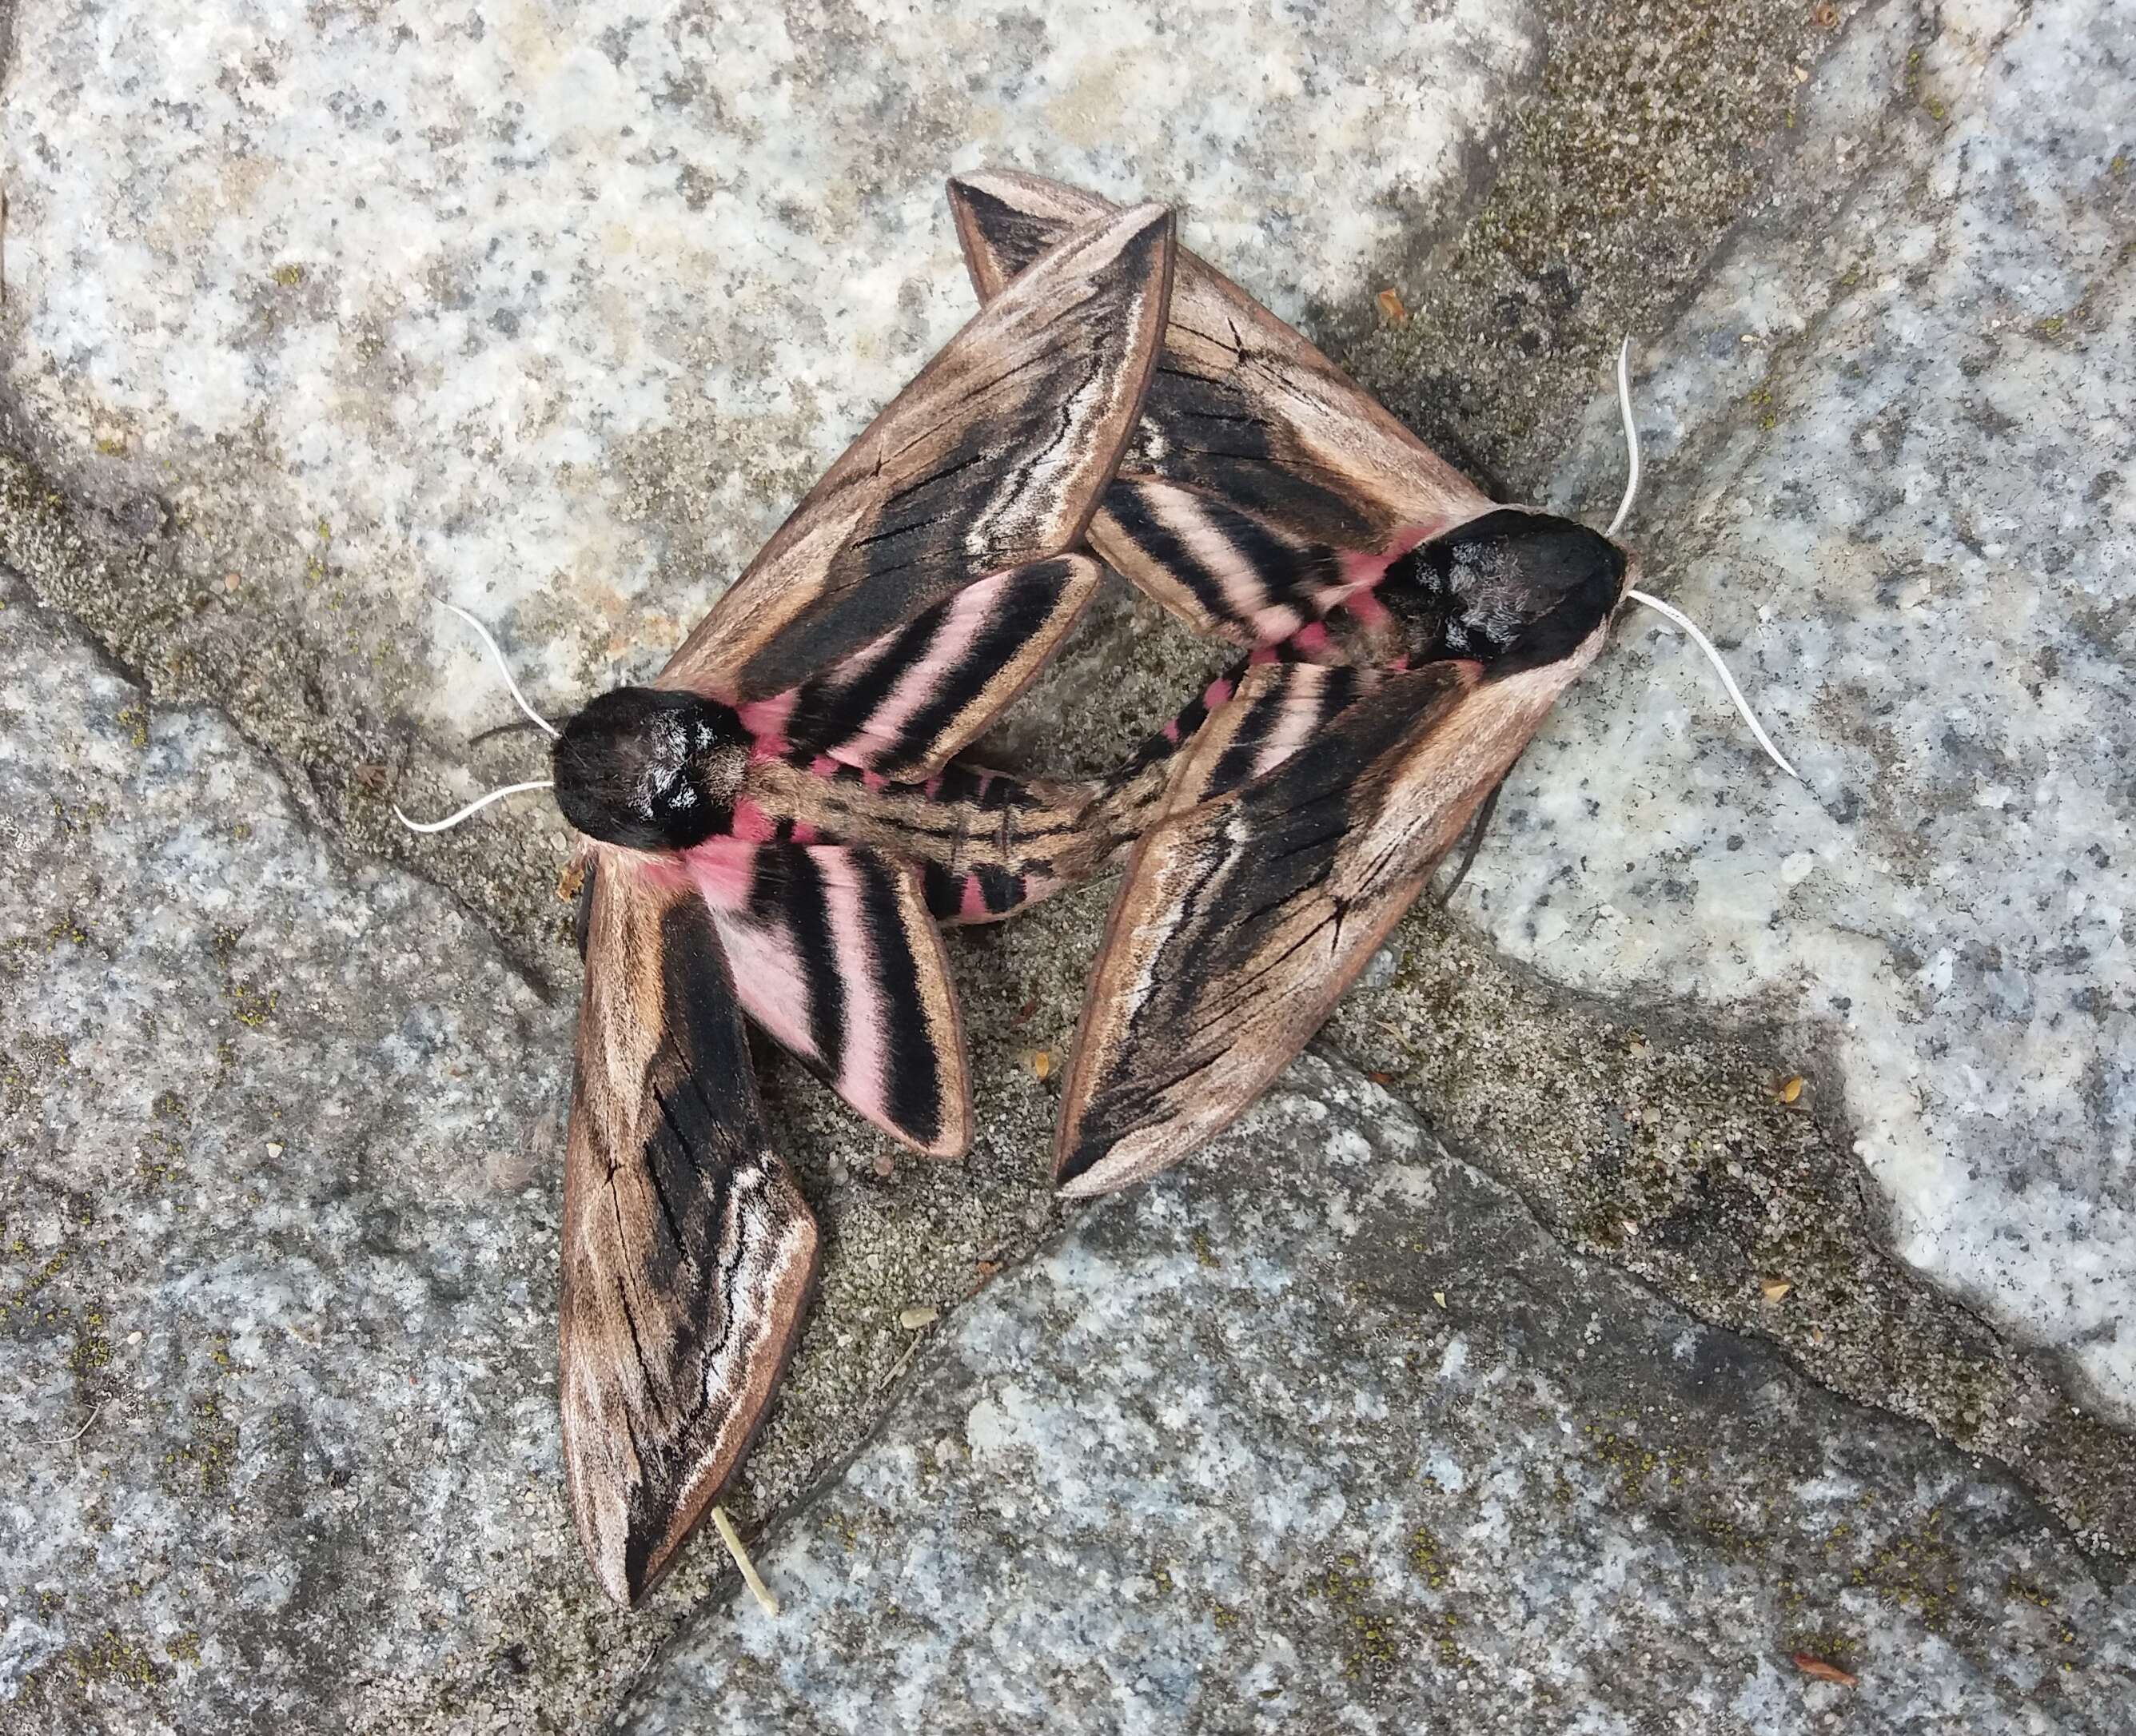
pixel 650 769
pixel 1512 589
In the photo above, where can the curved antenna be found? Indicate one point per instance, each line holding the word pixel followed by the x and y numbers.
pixel 474 806
pixel 503 668
pixel 1631 437
pixel 519 699
pixel 1727 681
pixel 1668 610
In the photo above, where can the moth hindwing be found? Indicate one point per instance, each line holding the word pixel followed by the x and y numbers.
pixel 1263 484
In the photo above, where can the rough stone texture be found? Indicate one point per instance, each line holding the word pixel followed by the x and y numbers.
pixel 279 1195
pixel 277 1365
pixel 1326 1433
pixel 1893 470
pixel 554 309
pixel 1662 1139
pixel 569 374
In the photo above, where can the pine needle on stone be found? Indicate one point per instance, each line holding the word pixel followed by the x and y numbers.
pixel 732 1539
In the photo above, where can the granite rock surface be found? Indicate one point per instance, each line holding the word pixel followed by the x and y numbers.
pixel 1892 472
pixel 277 1216
pixel 553 308
pixel 306 314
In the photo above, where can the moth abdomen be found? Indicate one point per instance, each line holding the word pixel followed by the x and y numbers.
pixel 650 767
pixel 987 843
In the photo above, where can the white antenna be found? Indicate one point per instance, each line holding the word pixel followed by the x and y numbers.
pixel 1727 680
pixel 474 806
pixel 504 668
pixel 1631 436
pixel 1669 611
pixel 480 803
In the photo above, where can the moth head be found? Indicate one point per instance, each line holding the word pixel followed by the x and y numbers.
pixel 1512 589
pixel 650 769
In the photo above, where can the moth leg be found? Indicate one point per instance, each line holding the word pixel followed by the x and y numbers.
pixel 1476 827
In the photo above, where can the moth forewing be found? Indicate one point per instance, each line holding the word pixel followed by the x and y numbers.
pixel 1243 917
pixel 994 457
pixel 1242 407
pixel 688 1252
pixel 914 592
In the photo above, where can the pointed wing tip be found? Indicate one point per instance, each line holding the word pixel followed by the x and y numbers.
pixel 1004 185
pixel 629 1573
pixel 1086 1167
pixel 1006 220
pixel 622 1591
pixel 628 1565
pixel 630 1551
pixel 1120 230
pixel 1105 1174
pixel 1073 1157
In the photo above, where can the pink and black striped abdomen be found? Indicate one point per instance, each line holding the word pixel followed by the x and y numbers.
pixel 984 844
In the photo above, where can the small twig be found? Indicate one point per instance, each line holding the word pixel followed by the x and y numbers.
pixel 732 1539
pixel 69 1440
pixel 911 1350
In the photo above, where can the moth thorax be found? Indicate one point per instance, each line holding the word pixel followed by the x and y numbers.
pixel 1512 589
pixel 651 769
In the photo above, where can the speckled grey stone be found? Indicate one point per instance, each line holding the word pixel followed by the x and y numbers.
pixel 276 1222
pixel 1325 1432
pixel 1892 469
pixel 553 311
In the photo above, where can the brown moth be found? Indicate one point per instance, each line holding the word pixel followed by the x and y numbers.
pixel 767 827
pixel 1410 637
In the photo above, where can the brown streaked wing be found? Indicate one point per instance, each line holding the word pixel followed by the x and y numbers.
pixel 1225 571
pixel 1241 406
pixel 688 1252
pixel 994 457
pixel 1276 710
pixel 1243 917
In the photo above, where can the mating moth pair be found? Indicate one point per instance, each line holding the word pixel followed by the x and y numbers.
pixel 775 825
